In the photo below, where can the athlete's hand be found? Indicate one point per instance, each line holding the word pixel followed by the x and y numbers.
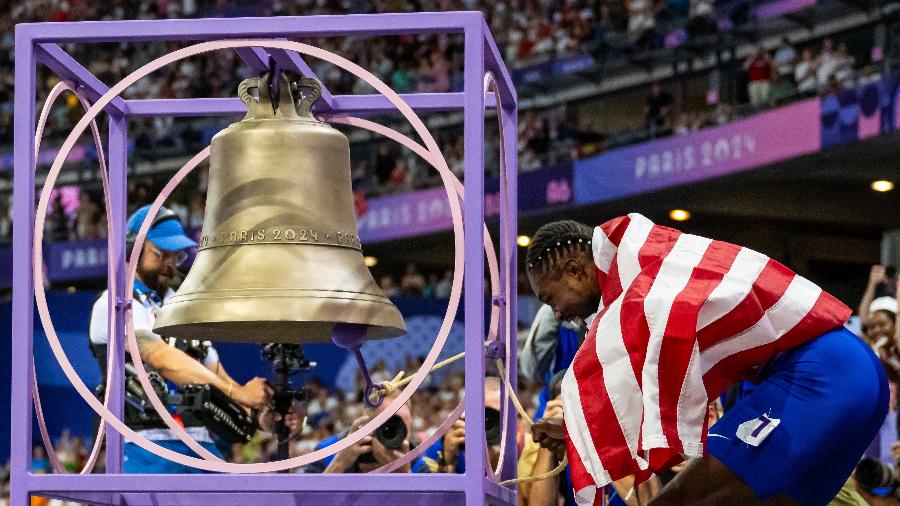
pixel 549 433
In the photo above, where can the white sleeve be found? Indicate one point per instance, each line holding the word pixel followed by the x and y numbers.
pixel 99 325
pixel 142 317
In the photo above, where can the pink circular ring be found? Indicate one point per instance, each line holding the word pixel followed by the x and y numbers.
pixel 490 82
pixel 492 268
pixel 57 90
pixel 351 439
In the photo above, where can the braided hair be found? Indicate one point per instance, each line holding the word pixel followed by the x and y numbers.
pixel 555 241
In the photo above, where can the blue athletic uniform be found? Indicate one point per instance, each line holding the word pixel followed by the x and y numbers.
pixel 804 427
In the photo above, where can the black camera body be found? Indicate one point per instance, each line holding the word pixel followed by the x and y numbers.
pixel 493 428
pixel 391 434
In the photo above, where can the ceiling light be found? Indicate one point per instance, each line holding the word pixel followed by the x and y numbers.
pixel 882 185
pixel 371 261
pixel 679 215
pixel 523 241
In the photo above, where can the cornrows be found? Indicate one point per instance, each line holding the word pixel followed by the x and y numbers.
pixel 556 238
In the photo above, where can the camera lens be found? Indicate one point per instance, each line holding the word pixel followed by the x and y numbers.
pixel 392 433
pixel 872 473
pixel 492 426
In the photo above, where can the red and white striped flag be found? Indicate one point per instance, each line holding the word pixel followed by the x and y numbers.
pixel 682 317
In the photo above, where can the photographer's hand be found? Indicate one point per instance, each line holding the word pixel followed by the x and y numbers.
pixel 384 456
pixel 255 394
pixel 294 419
pixel 453 439
pixel 344 459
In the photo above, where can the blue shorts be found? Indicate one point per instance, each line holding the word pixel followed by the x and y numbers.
pixel 139 461
pixel 803 429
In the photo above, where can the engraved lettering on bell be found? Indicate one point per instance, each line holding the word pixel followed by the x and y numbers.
pixel 284 234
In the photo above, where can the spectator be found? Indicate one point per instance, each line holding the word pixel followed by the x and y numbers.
pixel 388 286
pixel 805 73
pixel 759 69
pixel 447 455
pixel 443 287
pixel 844 72
pixel 5 224
pixel 656 109
pixel 881 283
pixel 412 282
pixel 368 453
pixel 782 89
pixel 826 64
pixel 785 59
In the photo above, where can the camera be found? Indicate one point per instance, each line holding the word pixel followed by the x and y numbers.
pixel 391 434
pixel 871 473
pixel 493 427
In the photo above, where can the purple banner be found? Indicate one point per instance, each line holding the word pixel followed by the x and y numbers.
pixel 46 156
pixel 428 211
pixel 762 139
pixel 781 7
pixel 68 261
pixel 543 71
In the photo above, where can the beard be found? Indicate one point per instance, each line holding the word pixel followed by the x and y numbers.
pixel 158 280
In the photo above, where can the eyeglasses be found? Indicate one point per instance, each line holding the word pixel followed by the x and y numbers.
pixel 175 257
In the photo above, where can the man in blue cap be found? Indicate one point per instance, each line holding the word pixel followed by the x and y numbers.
pixel 176 360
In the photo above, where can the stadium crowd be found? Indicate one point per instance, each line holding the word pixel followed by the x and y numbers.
pixel 532 32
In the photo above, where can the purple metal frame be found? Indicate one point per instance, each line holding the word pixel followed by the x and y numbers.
pixel 38 44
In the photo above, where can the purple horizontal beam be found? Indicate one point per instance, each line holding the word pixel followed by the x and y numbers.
pixel 496 491
pixel 286 26
pixel 348 104
pixel 298 498
pixel 68 69
pixel 494 62
pixel 185 107
pixel 236 483
pixel 292 61
pixel 255 57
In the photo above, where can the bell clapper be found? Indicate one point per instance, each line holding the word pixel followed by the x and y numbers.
pixel 350 337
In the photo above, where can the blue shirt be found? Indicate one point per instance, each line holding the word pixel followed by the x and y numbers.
pixel 434 453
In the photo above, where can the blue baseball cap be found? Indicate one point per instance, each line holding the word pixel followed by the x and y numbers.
pixel 167 232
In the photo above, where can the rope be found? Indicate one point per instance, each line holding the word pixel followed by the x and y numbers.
pixel 562 464
pixel 396 384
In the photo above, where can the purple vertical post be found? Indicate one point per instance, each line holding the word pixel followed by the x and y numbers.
pixel 474 296
pixel 510 138
pixel 23 290
pixel 118 197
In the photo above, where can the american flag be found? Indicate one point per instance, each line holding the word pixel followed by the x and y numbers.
pixel 682 317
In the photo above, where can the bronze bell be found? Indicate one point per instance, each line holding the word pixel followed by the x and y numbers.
pixel 280 258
